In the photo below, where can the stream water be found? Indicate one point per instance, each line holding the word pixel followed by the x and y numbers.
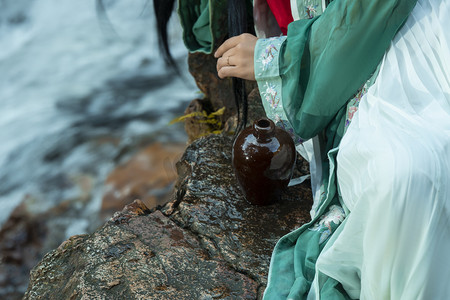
pixel 79 93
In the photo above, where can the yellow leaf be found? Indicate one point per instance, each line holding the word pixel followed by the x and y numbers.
pixel 218 112
pixel 182 118
pixel 210 119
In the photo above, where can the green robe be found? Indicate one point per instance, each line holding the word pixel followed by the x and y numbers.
pixel 204 23
pixel 306 81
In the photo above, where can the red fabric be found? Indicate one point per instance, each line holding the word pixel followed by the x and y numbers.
pixel 281 9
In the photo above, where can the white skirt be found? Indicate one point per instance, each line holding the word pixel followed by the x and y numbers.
pixel 394 172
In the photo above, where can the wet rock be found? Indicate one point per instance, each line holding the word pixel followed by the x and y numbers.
pixel 208 242
pixel 218 93
pixel 198 125
pixel 149 175
pixel 211 205
pixel 136 255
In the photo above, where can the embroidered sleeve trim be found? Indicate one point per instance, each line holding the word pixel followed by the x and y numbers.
pixel 269 82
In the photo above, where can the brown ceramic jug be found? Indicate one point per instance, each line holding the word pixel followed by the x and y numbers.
pixel 263 159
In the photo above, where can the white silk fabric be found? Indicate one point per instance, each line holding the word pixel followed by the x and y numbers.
pixel 394 172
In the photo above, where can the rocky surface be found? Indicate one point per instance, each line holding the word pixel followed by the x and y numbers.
pixel 211 205
pixel 30 232
pixel 207 243
pixel 136 256
pixel 217 93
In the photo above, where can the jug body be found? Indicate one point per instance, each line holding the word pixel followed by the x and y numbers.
pixel 263 159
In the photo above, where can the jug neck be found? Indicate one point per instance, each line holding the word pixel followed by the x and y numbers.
pixel 263 129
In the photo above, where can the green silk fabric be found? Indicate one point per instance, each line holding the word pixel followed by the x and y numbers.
pixel 199 24
pixel 204 23
pixel 323 62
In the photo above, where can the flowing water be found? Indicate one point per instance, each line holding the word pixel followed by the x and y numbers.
pixel 79 92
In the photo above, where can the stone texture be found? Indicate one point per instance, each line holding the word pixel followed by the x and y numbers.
pixel 207 243
pixel 198 125
pixel 211 205
pixel 149 175
pixel 217 93
pixel 31 231
pixel 136 255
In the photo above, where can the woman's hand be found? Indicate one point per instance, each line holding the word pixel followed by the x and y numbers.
pixel 236 57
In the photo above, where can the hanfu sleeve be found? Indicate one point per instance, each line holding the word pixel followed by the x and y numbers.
pixel 308 76
pixel 266 63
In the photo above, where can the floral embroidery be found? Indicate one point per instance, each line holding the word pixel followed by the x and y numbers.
pixel 335 215
pixel 277 119
pixel 268 55
pixel 288 128
pixel 271 95
pixel 274 109
pixel 269 82
pixel 353 105
pixel 310 11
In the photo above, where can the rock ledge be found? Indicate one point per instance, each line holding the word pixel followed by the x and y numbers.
pixel 207 243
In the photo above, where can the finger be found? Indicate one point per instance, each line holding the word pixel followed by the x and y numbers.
pixel 221 62
pixel 228 71
pixel 236 71
pixel 229 53
pixel 226 59
pixel 227 45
